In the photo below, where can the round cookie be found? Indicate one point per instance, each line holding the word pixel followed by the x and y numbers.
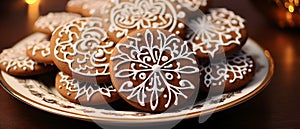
pixel 217 33
pixel 127 16
pixel 39 51
pixel 82 48
pixel 228 74
pixel 47 24
pixel 154 70
pixel 196 6
pixel 85 93
pixel 14 61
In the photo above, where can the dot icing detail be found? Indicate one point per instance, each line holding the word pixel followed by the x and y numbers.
pixel 139 14
pixel 83 88
pixel 53 20
pixel 193 5
pixel 93 5
pixel 86 54
pixel 207 33
pixel 42 45
pixel 157 68
pixel 16 59
pixel 238 65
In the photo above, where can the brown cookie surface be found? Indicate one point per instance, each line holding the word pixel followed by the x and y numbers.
pixel 91 7
pixel 154 70
pixel 83 92
pixel 39 51
pixel 48 23
pixel 217 34
pixel 127 16
pixel 15 61
pixel 228 74
pixel 81 49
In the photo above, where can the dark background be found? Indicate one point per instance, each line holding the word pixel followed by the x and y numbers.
pixel 278 106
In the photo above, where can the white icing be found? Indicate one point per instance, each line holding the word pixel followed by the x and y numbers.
pixel 16 59
pixel 238 65
pixel 53 20
pixel 212 28
pixel 139 14
pixel 159 68
pixel 83 88
pixel 87 48
pixel 93 5
pixel 40 45
pixel 193 5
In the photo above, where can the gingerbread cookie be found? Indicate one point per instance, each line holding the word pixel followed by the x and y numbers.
pixel 217 33
pixel 14 60
pixel 228 74
pixel 82 49
pixel 47 24
pixel 194 6
pixel 127 16
pixel 75 6
pixel 154 70
pixel 91 7
pixel 85 93
pixel 39 51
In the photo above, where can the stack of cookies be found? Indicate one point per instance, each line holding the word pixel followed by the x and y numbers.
pixel 154 54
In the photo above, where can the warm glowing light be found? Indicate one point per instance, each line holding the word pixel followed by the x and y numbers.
pixel 31 1
pixel 291 8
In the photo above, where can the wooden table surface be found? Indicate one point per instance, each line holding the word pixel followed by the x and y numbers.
pixel 278 106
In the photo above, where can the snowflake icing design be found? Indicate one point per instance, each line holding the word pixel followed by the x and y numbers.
pixel 89 47
pixel 158 65
pixel 238 65
pixel 140 14
pixel 84 88
pixel 213 28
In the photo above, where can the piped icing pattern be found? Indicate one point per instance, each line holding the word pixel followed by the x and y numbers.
pixel 219 28
pixel 42 46
pixel 53 20
pixel 85 89
pixel 83 44
pixel 127 15
pixel 193 5
pixel 155 61
pixel 16 59
pixel 92 6
pixel 238 65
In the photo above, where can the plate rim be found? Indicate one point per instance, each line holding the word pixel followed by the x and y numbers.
pixel 188 115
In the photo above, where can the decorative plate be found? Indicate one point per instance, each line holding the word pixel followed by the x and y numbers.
pixel 40 92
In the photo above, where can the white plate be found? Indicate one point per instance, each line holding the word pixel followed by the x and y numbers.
pixel 43 95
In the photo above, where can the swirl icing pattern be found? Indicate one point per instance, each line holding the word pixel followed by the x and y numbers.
pixel 83 44
pixel 154 62
pixel 237 65
pixel 128 15
pixel 213 31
